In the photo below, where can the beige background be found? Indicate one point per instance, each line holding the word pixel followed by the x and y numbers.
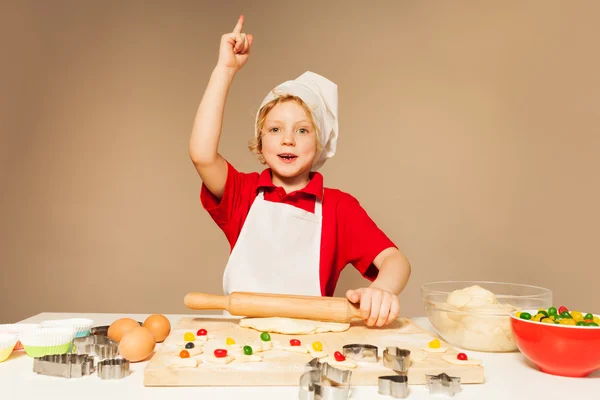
pixel 469 132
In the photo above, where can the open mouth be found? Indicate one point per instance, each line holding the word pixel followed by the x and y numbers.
pixel 287 156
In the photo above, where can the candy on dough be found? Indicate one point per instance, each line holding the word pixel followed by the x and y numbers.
pixel 292 326
pixel 219 360
pixel 450 358
pixel 317 354
pixel 195 351
pixel 177 362
pixel 244 358
pixel 348 363
pixel 435 350
pixel 293 349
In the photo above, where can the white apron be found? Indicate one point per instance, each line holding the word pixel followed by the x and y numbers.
pixel 278 251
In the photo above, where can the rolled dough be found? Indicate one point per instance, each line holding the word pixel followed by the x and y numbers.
pixel 292 326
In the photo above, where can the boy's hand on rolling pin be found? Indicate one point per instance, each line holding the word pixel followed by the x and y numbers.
pixel 235 47
pixel 378 307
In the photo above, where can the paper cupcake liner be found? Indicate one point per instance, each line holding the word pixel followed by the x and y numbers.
pixel 47 341
pixel 80 325
pixel 7 344
pixel 18 329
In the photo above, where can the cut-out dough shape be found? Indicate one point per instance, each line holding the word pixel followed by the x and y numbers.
pixel 434 350
pixel 244 358
pixel 347 363
pixel 292 326
pixel 292 349
pixel 177 362
pixel 317 354
pixel 219 360
pixel 451 358
pixel 259 346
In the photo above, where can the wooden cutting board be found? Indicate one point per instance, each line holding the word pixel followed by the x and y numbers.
pixel 282 368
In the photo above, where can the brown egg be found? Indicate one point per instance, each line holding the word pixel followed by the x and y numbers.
pixel 137 344
pixel 120 327
pixel 159 326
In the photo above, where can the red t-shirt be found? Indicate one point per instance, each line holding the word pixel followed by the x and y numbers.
pixel 348 236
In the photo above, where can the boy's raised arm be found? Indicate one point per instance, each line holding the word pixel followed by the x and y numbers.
pixel 234 51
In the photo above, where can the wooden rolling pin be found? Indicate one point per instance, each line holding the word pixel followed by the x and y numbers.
pixel 262 305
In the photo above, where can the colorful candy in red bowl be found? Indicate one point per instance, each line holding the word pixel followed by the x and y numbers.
pixel 565 343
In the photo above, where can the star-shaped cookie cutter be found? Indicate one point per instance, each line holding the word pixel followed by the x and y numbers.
pixel 361 352
pixel 396 359
pixel 393 385
pixel 443 384
pixel 64 365
pixel 321 381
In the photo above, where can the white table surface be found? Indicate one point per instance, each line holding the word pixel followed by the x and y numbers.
pixel 508 376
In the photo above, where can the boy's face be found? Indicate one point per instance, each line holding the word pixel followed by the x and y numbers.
pixel 289 140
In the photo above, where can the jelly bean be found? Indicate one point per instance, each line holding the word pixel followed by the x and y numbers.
pixel 597 319
pixel 248 350
pixel 220 353
pixel 518 314
pixel 461 356
pixel 265 337
pixel 562 309
pixel 339 356
pixel 294 342
pixel 434 344
pixel 588 320
pixel 542 312
pixel 229 341
pixel 552 311
pixel 189 345
pixel 592 324
pixel 546 320
pixel 588 316
pixel 581 323
pixel 317 346
pixel 189 337
pixel 565 314
pixel 525 315
pixel 184 354
pixel 201 332
pixel 577 316
pixel 537 317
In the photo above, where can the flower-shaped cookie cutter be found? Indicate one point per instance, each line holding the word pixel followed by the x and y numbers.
pixel 64 365
pixel 393 385
pixel 361 352
pixel 98 346
pixel 443 384
pixel 113 368
pixel 321 381
pixel 396 359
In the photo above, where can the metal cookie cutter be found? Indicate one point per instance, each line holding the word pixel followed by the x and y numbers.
pixel 443 384
pixel 113 368
pixel 393 385
pixel 321 381
pixel 361 352
pixel 99 346
pixel 396 359
pixel 64 365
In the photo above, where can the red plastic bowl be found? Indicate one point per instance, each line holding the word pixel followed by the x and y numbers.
pixel 564 350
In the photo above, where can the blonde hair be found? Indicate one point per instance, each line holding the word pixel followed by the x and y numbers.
pixel 255 145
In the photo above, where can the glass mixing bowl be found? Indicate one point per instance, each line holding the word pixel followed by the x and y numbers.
pixel 475 315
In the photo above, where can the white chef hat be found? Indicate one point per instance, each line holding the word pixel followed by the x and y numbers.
pixel 321 96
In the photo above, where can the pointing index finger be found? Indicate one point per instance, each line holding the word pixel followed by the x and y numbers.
pixel 239 25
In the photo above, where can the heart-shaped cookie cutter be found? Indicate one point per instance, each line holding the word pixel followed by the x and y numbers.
pixel 393 385
pixel 396 359
pixel 361 352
